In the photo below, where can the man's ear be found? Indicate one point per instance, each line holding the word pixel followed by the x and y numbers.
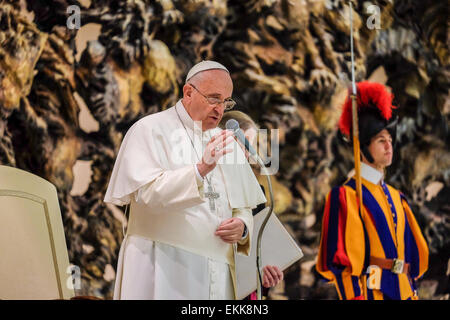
pixel 187 91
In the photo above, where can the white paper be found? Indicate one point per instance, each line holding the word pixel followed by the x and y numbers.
pixel 278 248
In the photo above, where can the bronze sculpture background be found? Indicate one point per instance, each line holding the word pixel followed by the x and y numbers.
pixel 290 66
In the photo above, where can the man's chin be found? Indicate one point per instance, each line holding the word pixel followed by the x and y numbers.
pixel 387 163
pixel 209 124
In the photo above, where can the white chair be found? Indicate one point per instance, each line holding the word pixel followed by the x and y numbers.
pixel 34 262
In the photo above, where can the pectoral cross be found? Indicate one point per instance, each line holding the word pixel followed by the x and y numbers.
pixel 212 196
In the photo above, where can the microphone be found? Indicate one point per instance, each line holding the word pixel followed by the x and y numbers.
pixel 233 125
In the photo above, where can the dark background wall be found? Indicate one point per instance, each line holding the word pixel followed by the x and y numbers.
pixel 68 94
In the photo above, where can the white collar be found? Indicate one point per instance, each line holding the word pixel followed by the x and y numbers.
pixel 184 115
pixel 191 124
pixel 370 174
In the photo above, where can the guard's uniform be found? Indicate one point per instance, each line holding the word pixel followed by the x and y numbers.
pixel 357 252
pixel 378 254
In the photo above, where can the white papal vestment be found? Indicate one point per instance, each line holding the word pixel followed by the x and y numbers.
pixel 170 250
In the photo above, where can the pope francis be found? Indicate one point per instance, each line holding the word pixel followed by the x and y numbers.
pixel 190 192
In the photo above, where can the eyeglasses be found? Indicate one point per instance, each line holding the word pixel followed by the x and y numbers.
pixel 228 103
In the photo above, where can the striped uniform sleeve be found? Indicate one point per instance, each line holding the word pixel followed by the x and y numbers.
pixel 341 250
pixel 416 249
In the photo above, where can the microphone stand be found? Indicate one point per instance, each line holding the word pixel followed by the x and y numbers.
pixel 261 230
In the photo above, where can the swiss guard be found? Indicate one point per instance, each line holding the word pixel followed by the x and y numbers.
pixel 378 252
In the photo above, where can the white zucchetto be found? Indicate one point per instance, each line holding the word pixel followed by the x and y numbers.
pixel 203 66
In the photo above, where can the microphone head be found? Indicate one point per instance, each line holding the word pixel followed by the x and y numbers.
pixel 232 124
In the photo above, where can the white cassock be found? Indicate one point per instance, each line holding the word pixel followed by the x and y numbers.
pixel 170 250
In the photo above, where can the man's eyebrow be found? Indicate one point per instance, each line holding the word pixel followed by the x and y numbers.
pixel 216 95
pixel 213 94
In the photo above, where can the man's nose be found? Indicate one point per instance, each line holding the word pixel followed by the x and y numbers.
pixel 388 145
pixel 220 108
